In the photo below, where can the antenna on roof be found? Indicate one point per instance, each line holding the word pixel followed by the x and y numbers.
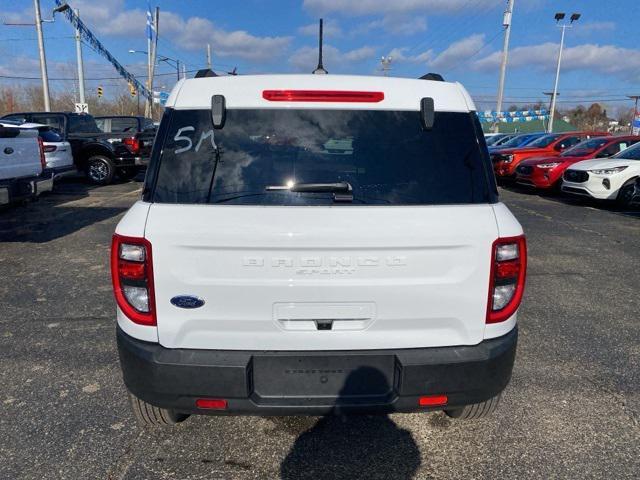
pixel 320 69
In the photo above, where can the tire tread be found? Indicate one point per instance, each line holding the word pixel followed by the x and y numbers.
pixel 476 410
pixel 151 415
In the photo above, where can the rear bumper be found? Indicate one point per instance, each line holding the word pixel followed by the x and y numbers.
pixel 315 383
pixel 130 161
pixel 59 172
pixel 14 190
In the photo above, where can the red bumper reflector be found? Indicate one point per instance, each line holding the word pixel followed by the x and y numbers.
pixel 322 96
pixel 433 400
pixel 132 270
pixel 508 269
pixel 211 403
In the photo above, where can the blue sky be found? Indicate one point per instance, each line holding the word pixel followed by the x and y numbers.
pixel 460 39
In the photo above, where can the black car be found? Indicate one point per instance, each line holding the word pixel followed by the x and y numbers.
pixel 101 156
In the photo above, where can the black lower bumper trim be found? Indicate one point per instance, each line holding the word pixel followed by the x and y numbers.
pixel 315 383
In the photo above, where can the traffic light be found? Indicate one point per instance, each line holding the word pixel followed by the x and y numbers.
pixel 100 92
pixel 132 89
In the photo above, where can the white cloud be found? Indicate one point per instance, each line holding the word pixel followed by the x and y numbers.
pixel 606 59
pixel 305 59
pixel 371 7
pixel 458 51
pixel 330 28
pixel 399 55
pixel 191 33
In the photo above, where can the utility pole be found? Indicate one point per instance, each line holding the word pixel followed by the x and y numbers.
pixel 386 65
pixel 80 63
pixel 43 59
pixel 506 23
pixel 559 16
pixel 184 71
pixel 636 113
pixel 209 56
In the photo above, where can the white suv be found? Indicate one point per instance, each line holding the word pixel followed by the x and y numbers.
pixel 309 244
pixel 612 178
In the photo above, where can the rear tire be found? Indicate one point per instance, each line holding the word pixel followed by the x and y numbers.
pixel 150 415
pixel 474 411
pixel 100 170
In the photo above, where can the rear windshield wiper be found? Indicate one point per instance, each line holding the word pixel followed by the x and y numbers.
pixel 342 191
pixel 338 187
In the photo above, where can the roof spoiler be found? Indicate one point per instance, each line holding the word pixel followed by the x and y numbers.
pixel 436 77
pixel 205 72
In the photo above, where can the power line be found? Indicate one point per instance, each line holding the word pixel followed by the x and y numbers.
pixel 90 79
pixel 32 38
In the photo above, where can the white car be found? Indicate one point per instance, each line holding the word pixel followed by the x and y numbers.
pixel 264 273
pixel 612 178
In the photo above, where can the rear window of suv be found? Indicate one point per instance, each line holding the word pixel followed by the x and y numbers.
pixel 385 156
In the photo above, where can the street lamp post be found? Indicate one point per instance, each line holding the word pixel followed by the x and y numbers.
pixel 165 59
pixel 559 16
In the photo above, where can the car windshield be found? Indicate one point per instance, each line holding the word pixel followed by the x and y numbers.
pixel 503 140
pixel 544 141
pixel 631 153
pixel 385 157
pixel 518 141
pixel 585 148
pixel 492 140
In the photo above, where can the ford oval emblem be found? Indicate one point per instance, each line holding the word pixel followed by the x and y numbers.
pixel 187 301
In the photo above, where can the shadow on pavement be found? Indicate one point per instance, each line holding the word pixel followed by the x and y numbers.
pixel 352 446
pixel 55 214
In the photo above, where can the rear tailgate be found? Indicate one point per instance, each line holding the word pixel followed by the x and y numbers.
pixel 384 277
pixel 19 153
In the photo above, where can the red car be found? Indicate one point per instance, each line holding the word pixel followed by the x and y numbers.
pixel 550 145
pixel 546 172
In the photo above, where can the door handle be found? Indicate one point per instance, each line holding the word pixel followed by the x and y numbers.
pixel 8 150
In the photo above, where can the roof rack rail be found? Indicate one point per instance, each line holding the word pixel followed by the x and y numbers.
pixel 432 76
pixel 205 72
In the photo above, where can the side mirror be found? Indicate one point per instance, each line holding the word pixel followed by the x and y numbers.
pixel 218 111
pixel 427 113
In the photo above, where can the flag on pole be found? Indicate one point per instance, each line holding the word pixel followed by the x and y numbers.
pixel 150 25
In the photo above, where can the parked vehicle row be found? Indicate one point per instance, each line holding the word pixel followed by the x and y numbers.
pixel 122 149
pixel 588 164
pixel 505 161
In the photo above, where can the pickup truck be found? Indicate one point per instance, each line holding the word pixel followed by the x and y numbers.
pixel 22 162
pixel 101 156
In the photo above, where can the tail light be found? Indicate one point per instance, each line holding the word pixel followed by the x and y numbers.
pixel 43 161
pixel 133 144
pixel 132 277
pixel 508 272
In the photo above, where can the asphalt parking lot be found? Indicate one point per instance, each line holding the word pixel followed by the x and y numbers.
pixel 572 409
